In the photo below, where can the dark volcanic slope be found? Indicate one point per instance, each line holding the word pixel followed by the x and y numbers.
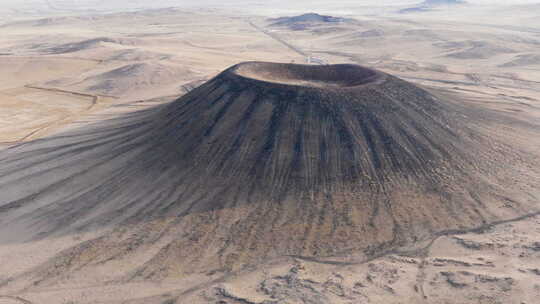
pixel 308 18
pixel 265 160
pixel 304 21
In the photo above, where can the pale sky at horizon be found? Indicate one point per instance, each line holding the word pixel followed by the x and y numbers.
pixel 265 6
pixel 202 2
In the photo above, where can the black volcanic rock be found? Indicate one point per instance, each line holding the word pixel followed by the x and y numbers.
pixel 262 161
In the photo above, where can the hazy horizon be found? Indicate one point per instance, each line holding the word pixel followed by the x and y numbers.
pixel 100 4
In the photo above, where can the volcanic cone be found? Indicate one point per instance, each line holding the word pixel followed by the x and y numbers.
pixel 262 161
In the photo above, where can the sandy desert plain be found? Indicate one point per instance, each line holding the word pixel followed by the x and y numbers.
pixel 66 69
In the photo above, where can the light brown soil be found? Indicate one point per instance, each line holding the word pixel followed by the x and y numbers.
pixel 91 222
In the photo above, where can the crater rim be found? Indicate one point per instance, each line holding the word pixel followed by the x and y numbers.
pixel 333 76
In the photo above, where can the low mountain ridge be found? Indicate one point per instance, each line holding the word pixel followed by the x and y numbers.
pixel 306 20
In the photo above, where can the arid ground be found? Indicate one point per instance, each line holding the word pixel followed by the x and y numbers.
pixel 64 70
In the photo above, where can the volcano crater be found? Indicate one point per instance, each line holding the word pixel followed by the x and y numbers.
pixel 334 76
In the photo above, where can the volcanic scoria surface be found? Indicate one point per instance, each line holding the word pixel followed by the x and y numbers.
pixel 265 160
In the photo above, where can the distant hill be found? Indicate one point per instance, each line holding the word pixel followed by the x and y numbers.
pixel 303 21
pixel 442 2
pixel 523 60
pixel 87 44
pixel 475 49
pixel 131 80
pixel 428 5
pixel 414 10
pixel 134 76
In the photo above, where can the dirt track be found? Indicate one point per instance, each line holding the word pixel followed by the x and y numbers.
pixel 278 39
